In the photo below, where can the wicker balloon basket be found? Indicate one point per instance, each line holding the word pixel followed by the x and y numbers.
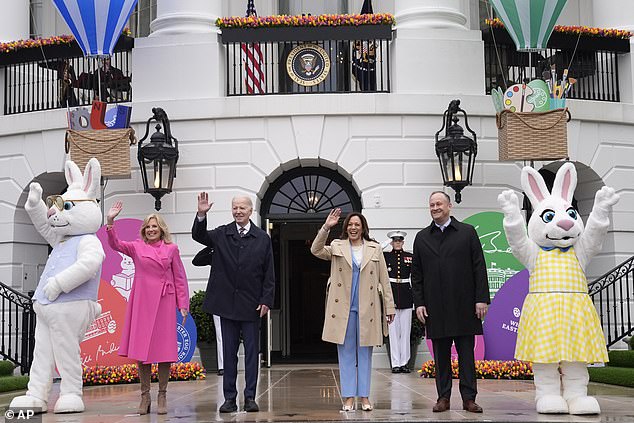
pixel 533 136
pixel 110 146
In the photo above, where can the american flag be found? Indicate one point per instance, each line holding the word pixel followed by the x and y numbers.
pixel 253 60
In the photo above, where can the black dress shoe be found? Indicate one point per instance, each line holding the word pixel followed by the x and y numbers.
pixel 471 406
pixel 250 406
pixel 221 372
pixel 396 370
pixel 229 406
pixel 405 369
pixel 441 405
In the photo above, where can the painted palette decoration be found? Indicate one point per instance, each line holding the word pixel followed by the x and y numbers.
pixel 540 99
pixel 515 98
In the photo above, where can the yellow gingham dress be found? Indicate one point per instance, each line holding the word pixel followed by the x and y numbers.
pixel 559 321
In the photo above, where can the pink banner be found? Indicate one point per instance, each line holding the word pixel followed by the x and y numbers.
pixel 101 342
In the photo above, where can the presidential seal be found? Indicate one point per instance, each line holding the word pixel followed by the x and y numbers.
pixel 308 64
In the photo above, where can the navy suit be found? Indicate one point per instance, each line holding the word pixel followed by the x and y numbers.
pixel 242 277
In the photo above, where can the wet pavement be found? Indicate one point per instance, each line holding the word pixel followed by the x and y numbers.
pixel 311 393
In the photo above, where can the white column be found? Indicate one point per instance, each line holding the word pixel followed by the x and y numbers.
pixel 620 15
pixel 185 17
pixel 183 46
pixel 434 51
pixel 626 75
pixel 430 14
pixel 613 14
pixel 14 20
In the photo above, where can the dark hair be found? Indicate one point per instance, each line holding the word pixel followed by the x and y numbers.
pixel 365 232
pixel 443 193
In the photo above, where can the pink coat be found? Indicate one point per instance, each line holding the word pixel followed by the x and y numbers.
pixel 159 289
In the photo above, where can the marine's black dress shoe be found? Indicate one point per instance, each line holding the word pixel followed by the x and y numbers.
pixel 250 405
pixel 229 406
pixel 221 372
pixel 405 369
pixel 396 370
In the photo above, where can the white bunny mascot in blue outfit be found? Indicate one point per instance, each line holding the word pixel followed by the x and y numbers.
pixel 559 330
pixel 65 300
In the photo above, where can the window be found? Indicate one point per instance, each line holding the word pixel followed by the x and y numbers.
pixel 298 7
pixel 144 13
pixel 35 24
pixel 310 190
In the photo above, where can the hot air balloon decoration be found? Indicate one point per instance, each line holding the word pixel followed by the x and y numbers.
pixel 531 115
pixel 529 22
pixel 97 26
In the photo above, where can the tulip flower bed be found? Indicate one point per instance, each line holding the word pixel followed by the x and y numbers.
pixel 278 21
pixel 486 369
pixel 129 373
pixel 42 42
pixel 585 31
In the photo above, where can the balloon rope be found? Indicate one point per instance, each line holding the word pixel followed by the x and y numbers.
pixel 61 94
pixel 574 51
pixel 99 64
pixel 495 47
pixel 37 31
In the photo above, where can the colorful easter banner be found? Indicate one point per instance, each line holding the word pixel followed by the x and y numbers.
pixel 101 342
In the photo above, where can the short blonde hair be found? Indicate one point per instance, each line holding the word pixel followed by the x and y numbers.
pixel 165 232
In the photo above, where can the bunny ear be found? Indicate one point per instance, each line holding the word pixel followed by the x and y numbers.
pixel 565 182
pixel 534 186
pixel 92 178
pixel 74 178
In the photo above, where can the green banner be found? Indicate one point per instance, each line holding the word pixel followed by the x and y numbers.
pixel 501 264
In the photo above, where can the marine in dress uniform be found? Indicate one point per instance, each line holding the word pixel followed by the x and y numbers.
pixel 399 264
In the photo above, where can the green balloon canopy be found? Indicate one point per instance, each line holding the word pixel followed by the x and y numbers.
pixel 529 22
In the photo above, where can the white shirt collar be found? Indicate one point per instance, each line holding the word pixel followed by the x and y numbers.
pixel 247 227
pixel 444 225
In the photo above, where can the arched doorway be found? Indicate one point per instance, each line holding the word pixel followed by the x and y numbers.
pixel 293 208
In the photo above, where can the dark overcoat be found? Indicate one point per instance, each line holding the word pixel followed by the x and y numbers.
pixel 449 277
pixel 242 273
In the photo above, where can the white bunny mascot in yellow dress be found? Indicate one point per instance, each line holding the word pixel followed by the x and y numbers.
pixel 559 329
pixel 65 300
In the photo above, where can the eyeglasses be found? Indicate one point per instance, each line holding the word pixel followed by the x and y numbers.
pixel 64 204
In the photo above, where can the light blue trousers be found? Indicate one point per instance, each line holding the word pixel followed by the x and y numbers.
pixel 355 362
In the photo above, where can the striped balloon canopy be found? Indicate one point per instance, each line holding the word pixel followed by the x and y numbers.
pixel 96 24
pixel 529 22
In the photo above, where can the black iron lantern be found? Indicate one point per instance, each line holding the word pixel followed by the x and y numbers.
pixel 456 152
pixel 157 159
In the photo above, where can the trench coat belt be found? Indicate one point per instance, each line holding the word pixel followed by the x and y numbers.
pixel 166 284
pixel 399 280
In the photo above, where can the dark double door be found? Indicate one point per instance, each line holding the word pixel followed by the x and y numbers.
pixel 300 296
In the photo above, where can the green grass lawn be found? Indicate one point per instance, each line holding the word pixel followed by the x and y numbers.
pixel 619 371
pixel 13 383
pixel 622 376
pixel 621 358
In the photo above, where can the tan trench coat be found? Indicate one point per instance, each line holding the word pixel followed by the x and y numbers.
pixel 372 280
